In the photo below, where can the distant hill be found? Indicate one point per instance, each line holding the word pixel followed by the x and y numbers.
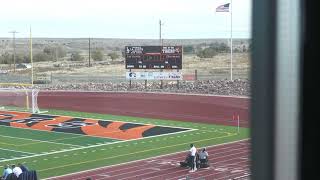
pixel 72 44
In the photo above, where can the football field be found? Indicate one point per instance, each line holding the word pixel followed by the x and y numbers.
pixel 61 142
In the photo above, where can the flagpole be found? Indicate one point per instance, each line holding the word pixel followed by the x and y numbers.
pixel 231 39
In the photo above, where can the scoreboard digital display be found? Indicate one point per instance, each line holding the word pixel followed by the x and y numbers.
pixel 153 57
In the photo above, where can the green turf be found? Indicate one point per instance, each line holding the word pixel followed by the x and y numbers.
pixel 8 153
pixel 97 154
pixel 50 136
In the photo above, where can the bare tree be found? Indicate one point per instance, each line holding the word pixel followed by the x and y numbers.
pixel 113 56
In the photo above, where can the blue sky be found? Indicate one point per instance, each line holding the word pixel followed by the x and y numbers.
pixel 183 19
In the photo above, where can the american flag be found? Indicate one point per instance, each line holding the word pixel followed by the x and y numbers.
pixel 223 8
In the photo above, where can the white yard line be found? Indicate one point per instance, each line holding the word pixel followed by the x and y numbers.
pixel 92 146
pixel 36 141
pixel 16 151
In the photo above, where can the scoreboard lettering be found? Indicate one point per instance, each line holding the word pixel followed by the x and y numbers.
pixel 153 57
pixel 134 50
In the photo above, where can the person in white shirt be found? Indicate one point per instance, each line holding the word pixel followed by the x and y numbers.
pixel 193 152
pixel 16 170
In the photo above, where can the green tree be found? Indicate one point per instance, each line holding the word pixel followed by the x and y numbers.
pixel 61 52
pixel 39 57
pixel 113 56
pixel 220 47
pixel 76 57
pixel 20 59
pixel 207 52
pixel 97 55
pixel 123 53
pixel 48 50
pixel 5 58
pixel 55 51
pixel 189 49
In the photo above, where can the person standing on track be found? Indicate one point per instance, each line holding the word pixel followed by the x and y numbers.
pixel 193 152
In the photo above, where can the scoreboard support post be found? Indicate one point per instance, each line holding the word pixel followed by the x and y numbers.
pixel 130 80
pixel 145 83
pixel 178 82
pixel 196 74
pixel 161 81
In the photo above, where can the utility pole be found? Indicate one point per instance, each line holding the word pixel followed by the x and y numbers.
pixel 161 44
pixel 89 53
pixel 56 51
pixel 14 48
pixel 160 33
pixel 160 39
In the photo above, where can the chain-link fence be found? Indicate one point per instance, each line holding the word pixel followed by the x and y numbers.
pixel 216 74
pixel 57 78
pixel 199 82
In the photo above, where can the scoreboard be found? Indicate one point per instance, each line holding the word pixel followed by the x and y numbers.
pixel 153 57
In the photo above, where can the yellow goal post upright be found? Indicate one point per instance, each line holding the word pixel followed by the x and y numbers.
pixel 19 97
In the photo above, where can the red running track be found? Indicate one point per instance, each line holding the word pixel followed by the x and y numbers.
pixel 194 108
pixel 227 161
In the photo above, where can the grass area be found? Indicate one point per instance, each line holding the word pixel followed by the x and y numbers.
pixel 52 153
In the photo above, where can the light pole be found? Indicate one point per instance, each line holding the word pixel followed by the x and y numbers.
pixel 14 48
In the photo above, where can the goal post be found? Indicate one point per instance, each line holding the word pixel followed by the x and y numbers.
pixel 19 99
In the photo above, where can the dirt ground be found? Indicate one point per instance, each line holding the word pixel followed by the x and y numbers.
pixel 219 63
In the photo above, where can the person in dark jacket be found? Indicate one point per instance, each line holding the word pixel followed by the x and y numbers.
pixel 23 167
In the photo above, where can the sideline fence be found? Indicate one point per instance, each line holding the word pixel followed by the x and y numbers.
pixel 58 78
